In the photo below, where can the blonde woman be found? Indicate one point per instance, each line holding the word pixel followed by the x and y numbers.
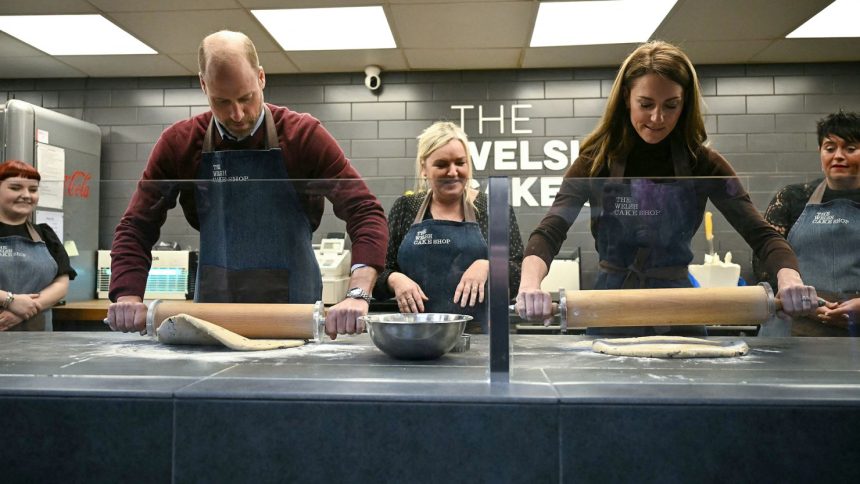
pixel 647 173
pixel 437 251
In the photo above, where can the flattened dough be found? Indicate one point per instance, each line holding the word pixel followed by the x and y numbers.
pixel 183 329
pixel 669 347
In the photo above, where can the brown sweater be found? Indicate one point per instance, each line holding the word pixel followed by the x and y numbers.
pixel 726 193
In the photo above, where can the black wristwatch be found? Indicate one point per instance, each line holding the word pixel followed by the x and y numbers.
pixel 358 293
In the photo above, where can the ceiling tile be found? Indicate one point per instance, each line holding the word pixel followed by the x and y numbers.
pixel 812 50
pixel 112 6
pixel 722 51
pixel 577 56
pixel 43 7
pixel 347 60
pixel 459 25
pixel 181 32
pixel 125 65
pixel 463 58
pixel 12 47
pixel 736 19
pixel 36 67
pixel 266 4
pixel 431 34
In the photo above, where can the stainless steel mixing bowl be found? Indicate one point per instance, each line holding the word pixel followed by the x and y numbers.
pixel 421 336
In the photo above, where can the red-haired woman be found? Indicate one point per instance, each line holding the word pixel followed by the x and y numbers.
pixel 34 266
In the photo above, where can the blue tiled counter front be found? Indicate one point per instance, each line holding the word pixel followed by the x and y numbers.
pixel 102 407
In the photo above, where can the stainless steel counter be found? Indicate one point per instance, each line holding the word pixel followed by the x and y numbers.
pixel 191 402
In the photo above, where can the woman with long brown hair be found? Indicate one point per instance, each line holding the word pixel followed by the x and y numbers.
pixel 648 173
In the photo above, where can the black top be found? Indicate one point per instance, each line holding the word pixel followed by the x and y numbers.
pixel 788 203
pixel 401 217
pixel 55 247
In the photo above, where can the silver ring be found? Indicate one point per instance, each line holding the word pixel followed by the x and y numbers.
pixel 805 299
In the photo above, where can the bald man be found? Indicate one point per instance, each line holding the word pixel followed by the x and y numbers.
pixel 241 174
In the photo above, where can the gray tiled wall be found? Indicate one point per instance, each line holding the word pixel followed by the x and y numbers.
pixel 761 117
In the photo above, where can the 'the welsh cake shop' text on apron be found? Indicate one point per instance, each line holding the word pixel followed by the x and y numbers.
pixel 27 267
pixel 255 238
pixel 436 253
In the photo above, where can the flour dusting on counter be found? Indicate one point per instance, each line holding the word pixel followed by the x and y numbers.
pixel 215 354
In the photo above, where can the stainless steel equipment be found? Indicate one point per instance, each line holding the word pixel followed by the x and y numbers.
pixel 421 336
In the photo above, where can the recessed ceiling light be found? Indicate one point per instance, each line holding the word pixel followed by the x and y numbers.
pixel 344 28
pixel 839 19
pixel 601 22
pixel 72 34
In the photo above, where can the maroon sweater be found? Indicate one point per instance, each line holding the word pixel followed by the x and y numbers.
pixel 310 153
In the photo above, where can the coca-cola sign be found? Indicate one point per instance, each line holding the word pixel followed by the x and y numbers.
pixel 78 184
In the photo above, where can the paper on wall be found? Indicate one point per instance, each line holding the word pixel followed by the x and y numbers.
pixel 51 163
pixel 53 219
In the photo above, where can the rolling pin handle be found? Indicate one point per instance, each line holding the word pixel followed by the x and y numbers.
pixel 773 304
pixel 150 319
pixel 562 310
pixel 319 322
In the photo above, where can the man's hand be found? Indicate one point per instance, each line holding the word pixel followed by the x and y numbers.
pixel 127 314
pixel 342 318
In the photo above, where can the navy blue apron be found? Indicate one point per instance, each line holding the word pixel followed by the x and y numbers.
pixel 644 235
pixel 436 253
pixel 824 238
pixel 255 238
pixel 27 267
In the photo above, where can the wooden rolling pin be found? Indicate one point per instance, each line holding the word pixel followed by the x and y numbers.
pixel 669 307
pixel 270 321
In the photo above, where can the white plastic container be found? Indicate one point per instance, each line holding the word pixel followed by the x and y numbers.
pixel 716 273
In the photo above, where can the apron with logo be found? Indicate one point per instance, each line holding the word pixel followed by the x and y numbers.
pixel 644 236
pixel 436 253
pixel 27 267
pixel 255 238
pixel 824 238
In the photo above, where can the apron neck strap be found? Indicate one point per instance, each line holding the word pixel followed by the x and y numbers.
pixel 468 209
pixel 818 194
pixel 33 234
pixel 268 122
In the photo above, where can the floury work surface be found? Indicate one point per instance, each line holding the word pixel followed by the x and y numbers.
pixel 787 412
pixel 543 368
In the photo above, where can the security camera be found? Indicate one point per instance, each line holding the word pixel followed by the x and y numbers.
pixel 371 79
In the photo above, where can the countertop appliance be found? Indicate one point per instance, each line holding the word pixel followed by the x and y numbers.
pixel 334 262
pixel 172 276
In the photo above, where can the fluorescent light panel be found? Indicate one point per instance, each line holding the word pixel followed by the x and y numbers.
pixel 600 22
pixel 72 35
pixel 344 28
pixel 839 19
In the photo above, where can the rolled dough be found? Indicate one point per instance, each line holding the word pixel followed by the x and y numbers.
pixel 668 347
pixel 183 329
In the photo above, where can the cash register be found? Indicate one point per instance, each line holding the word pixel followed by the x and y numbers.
pixel 334 262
